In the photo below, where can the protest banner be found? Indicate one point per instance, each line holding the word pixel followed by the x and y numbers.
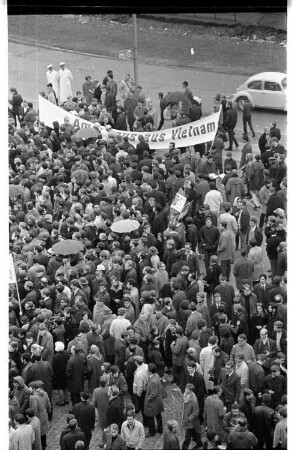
pixel 11 272
pixel 193 133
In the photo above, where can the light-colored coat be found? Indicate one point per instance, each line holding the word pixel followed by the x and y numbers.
pixel 206 362
pixel 179 349
pixel 40 402
pixel 242 371
pixel 264 197
pixel 35 424
pixel 191 413
pixel 256 256
pixel 66 79
pixel 53 77
pixel 100 401
pixel 214 412
pixel 225 249
pixel 22 438
pixel 140 380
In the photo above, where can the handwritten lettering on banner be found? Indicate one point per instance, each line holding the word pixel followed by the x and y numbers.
pixel 193 133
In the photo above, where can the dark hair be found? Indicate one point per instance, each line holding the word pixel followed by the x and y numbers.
pixel 30 412
pixel 20 418
pixel 191 364
pixel 152 368
pixel 216 390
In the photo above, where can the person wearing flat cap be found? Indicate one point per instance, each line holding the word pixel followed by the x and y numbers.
pixel 66 80
pixel 53 78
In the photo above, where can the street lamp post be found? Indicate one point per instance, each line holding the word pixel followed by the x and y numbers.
pixel 135 50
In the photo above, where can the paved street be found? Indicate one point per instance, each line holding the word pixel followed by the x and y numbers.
pixel 173 410
pixel 27 66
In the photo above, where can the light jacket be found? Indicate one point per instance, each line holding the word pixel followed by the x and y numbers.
pixel 140 380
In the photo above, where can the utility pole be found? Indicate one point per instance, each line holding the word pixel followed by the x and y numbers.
pixel 135 49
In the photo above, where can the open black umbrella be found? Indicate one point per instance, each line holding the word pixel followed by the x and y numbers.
pixel 174 98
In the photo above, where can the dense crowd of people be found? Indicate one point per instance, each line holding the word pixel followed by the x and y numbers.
pixel 181 301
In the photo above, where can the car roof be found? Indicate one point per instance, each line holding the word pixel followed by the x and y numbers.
pixel 269 76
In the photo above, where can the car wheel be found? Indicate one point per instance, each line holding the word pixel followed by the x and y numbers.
pixel 239 100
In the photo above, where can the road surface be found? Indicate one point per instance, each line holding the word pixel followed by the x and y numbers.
pixel 27 65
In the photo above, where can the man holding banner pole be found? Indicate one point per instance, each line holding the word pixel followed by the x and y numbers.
pixel 12 279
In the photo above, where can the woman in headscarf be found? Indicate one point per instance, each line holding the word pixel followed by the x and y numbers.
pixel 94 368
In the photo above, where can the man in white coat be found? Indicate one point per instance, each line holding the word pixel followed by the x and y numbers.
pixel 53 77
pixel 66 80
pixel 207 361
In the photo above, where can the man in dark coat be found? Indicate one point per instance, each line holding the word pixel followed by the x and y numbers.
pixel 114 441
pixel 271 248
pixel 257 376
pixel 163 105
pixel 94 338
pixel 265 345
pixel 262 289
pixel 84 412
pixel 254 232
pixel 153 404
pixel 274 131
pixel 243 223
pixel 263 422
pixel 75 371
pixel 230 124
pixel 279 334
pixel 16 102
pixel 276 385
pixel 59 365
pixel 142 146
pixel 41 370
pixel 246 107
pixel 209 238
pixel 274 202
pixel 190 375
pixel 240 437
pixel 120 347
pixel 247 405
pixel 242 270
pixel 69 440
pixel 30 116
pixel 264 139
pixel 227 295
pixel 115 409
pixel 155 357
pixel 229 382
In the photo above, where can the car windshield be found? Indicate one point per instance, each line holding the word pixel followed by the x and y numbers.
pixel 284 83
